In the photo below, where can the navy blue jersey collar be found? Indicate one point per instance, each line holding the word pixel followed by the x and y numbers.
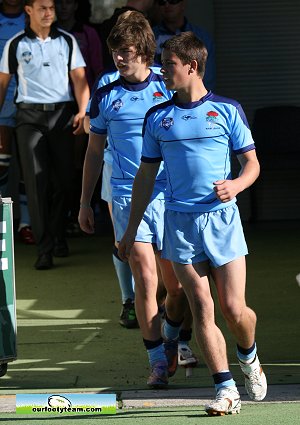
pixel 137 86
pixel 191 105
pixel 54 33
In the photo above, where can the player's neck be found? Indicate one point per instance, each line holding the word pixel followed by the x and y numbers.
pixel 41 32
pixel 139 76
pixel 191 94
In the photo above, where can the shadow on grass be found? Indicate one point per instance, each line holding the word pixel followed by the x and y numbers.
pixel 189 413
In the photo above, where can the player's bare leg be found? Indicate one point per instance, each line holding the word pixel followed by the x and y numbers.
pixel 143 266
pixel 175 301
pixel 161 292
pixel 195 281
pixel 230 281
pixel 175 305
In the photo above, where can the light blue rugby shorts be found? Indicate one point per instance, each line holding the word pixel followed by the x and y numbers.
pixel 151 228
pixel 106 190
pixel 195 237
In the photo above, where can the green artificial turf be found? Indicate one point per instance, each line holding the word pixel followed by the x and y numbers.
pixel 267 414
pixel 68 331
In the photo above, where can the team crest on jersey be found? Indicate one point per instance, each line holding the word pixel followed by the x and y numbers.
pixel 167 123
pixel 188 117
pixel 158 96
pixel 27 56
pixel 136 98
pixel 211 118
pixel 117 104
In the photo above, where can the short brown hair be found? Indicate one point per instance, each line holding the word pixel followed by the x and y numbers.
pixel 188 47
pixel 133 29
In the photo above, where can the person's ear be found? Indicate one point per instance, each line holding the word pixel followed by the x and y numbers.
pixel 28 9
pixel 193 66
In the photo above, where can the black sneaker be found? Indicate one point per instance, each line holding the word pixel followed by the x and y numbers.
pixel 44 262
pixel 61 248
pixel 128 317
pixel 3 369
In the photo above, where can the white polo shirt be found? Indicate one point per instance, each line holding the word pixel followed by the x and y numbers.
pixel 42 66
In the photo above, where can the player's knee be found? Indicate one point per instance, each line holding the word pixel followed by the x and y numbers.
pixel 233 313
pixel 145 282
pixel 202 308
pixel 176 292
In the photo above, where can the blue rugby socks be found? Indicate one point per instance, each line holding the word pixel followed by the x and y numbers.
pixel 125 278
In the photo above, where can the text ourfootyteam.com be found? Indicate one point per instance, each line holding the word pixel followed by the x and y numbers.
pixel 66 409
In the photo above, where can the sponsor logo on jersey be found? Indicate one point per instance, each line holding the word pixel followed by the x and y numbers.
pixel 158 96
pixel 211 118
pixel 27 56
pixel 188 117
pixel 136 98
pixel 167 123
pixel 117 104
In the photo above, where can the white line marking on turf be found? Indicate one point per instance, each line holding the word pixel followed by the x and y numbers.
pixel 86 341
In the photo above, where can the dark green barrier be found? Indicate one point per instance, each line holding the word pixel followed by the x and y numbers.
pixel 8 327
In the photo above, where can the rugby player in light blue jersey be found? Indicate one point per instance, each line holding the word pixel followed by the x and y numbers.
pixel 186 357
pixel 128 317
pixel 117 111
pixel 195 134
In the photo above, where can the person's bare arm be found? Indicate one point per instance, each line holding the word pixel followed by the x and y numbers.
pixel 86 124
pixel 227 189
pixel 82 94
pixel 141 195
pixel 91 172
pixel 4 81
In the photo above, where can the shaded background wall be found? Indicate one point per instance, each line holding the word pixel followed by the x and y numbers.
pixel 257 46
pixel 257 50
pixel 258 61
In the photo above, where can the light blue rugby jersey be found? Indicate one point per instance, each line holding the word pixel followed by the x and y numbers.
pixel 104 78
pixel 195 141
pixel 118 111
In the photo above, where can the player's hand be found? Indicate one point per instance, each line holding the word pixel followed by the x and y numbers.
pixel 78 124
pixel 125 246
pixel 86 220
pixel 226 190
